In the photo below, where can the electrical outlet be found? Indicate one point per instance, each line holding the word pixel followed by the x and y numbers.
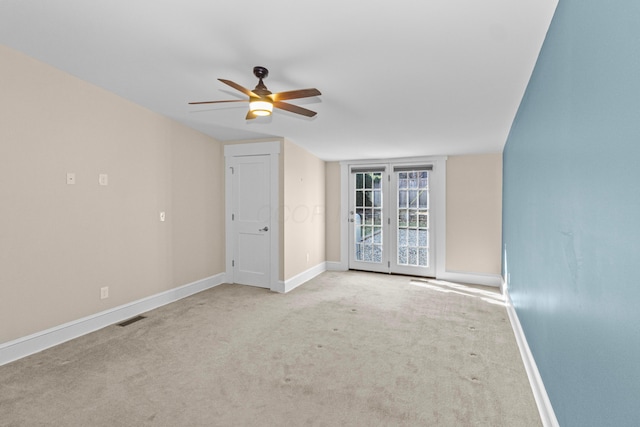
pixel 162 216
pixel 104 292
pixel 103 179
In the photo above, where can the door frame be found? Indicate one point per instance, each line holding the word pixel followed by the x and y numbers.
pixel 437 195
pixel 272 149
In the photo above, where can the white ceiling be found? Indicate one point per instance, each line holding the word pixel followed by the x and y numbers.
pixel 398 78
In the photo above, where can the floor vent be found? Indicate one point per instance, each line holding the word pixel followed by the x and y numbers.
pixel 132 320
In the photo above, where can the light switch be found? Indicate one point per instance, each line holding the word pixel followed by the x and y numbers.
pixel 162 216
pixel 71 178
pixel 103 179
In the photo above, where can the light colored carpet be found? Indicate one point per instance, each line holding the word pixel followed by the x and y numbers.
pixel 352 348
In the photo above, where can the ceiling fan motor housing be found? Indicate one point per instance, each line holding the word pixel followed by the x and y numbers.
pixel 261 90
pixel 260 72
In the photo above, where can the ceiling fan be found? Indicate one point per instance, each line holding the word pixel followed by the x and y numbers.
pixel 262 101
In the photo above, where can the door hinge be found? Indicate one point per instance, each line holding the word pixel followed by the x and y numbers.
pixel 231 170
pixel 388 264
pixel 389 178
pixel 233 217
pixel 233 263
pixel 389 221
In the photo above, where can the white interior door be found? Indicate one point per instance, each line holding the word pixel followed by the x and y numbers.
pixel 390 219
pixel 251 219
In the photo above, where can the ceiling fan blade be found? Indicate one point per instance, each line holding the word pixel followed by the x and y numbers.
pixel 250 116
pixel 240 88
pixel 295 94
pixel 294 109
pixel 217 102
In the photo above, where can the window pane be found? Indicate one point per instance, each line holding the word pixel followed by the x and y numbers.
pixel 377 217
pixel 402 199
pixel 377 182
pixel 377 253
pixel 423 257
pixel 424 200
pixel 367 253
pixel 413 256
pixel 412 237
pixel 377 235
pixel 402 256
pixel 413 199
pixel 403 218
pixel 413 218
pixel 423 238
pixel 377 198
pixel 402 237
pixel 423 219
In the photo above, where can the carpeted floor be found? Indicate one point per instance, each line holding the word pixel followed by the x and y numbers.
pixel 352 348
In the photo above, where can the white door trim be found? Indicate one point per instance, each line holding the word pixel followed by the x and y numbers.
pixel 271 148
pixel 438 194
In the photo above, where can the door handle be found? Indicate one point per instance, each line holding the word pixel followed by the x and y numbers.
pixel 264 229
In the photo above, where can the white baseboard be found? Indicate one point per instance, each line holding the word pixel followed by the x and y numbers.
pixel 295 281
pixel 25 346
pixel 494 280
pixel 547 415
pixel 336 266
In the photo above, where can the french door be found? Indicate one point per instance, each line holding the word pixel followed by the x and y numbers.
pixel 390 219
pixel 368 215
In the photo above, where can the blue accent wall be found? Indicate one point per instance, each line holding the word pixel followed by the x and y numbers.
pixel 571 219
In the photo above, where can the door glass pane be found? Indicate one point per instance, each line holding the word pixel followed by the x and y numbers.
pixel 377 198
pixel 423 253
pixel 377 217
pixel 403 217
pixel 368 219
pixel 413 218
pixel 413 199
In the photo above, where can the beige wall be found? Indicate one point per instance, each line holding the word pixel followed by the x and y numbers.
pixel 303 210
pixel 59 243
pixel 332 193
pixel 474 213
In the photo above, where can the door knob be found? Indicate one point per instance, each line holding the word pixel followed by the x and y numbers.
pixel 264 229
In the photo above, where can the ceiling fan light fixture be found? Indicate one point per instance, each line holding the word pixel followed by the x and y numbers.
pixel 260 107
pixel 262 101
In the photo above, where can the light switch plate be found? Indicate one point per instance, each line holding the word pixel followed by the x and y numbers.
pixel 162 216
pixel 71 178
